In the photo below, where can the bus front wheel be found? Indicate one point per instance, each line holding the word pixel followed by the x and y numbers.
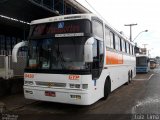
pixel 107 88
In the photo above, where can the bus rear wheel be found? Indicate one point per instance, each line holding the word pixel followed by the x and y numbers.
pixel 107 89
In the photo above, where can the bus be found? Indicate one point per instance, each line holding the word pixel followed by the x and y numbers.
pixel 142 64
pixel 75 59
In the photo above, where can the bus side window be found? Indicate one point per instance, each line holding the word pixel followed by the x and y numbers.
pixel 129 47
pixel 120 44
pixel 133 50
pixel 112 40
pixel 117 43
pixel 97 28
pixel 123 45
pixel 107 37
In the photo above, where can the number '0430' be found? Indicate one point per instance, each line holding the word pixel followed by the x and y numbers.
pixel 28 75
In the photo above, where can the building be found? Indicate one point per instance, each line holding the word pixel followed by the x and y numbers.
pixel 15 16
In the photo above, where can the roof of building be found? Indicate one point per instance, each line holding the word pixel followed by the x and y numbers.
pixel 28 10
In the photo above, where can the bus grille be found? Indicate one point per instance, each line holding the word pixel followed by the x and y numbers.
pixel 50 84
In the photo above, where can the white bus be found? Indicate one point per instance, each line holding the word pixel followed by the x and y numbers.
pixel 75 59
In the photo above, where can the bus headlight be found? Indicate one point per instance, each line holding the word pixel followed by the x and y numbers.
pixel 84 86
pixel 28 82
pixel 77 86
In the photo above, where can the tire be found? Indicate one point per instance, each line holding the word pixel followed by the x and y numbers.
pixel 131 75
pixel 107 89
pixel 129 79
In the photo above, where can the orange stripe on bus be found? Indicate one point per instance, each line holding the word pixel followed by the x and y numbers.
pixel 114 58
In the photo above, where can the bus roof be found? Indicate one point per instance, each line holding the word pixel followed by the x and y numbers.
pixel 141 55
pixel 78 16
pixel 63 18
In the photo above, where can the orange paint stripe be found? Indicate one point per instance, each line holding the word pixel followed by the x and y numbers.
pixel 114 58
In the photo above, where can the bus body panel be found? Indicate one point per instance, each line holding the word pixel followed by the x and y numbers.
pixel 60 84
pixel 118 73
pixel 62 96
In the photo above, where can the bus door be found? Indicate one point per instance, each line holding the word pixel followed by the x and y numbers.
pixel 98 56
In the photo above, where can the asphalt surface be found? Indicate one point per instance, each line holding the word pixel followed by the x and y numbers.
pixel 139 100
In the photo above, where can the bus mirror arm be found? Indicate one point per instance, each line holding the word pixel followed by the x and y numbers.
pixel 88 51
pixel 16 48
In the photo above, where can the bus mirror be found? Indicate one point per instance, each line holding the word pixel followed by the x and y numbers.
pixel 16 48
pixel 88 52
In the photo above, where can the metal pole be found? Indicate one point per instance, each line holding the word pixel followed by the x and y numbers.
pixel 130 33
pixel 130 25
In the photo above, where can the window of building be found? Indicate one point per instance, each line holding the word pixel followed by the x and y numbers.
pixel 13 42
pixel 2 43
pixel 8 43
pixel 48 3
pixel 58 6
pixel 68 9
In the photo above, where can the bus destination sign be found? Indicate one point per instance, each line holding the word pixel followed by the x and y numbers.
pixel 61 29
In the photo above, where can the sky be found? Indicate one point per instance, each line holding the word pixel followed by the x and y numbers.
pixel 144 13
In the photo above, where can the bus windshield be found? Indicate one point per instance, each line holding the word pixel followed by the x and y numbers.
pixel 141 61
pixel 57 53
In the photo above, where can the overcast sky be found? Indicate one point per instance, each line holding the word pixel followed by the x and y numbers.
pixel 146 13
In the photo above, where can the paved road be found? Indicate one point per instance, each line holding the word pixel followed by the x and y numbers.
pixel 139 100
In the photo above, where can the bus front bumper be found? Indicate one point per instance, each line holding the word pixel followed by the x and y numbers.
pixel 78 97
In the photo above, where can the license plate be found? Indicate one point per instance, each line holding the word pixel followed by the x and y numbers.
pixel 49 93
